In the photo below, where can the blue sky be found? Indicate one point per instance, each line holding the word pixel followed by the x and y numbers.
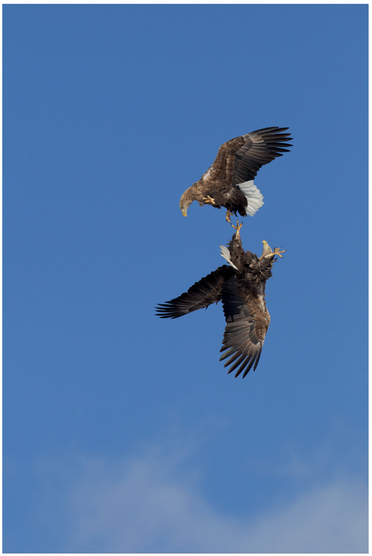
pixel 122 431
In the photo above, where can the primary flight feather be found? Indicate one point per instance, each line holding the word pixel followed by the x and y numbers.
pixel 229 181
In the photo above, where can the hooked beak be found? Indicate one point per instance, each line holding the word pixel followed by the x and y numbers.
pixel 267 251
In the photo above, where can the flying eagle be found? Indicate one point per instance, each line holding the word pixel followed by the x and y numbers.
pixel 229 181
pixel 241 287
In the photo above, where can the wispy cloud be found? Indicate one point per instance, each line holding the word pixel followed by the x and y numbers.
pixel 149 504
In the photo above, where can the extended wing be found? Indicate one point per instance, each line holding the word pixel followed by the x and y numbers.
pixel 203 293
pixel 260 148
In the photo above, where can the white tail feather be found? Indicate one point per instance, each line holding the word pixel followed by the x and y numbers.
pixel 225 253
pixel 254 196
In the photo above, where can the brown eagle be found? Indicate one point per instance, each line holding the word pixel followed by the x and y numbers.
pixel 241 287
pixel 229 181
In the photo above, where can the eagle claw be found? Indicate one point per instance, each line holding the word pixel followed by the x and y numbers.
pixel 237 227
pixel 209 199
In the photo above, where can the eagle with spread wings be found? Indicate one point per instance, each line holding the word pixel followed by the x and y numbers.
pixel 229 181
pixel 241 288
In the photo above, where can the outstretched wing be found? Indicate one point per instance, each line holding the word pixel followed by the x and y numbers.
pixel 247 322
pixel 203 293
pixel 260 148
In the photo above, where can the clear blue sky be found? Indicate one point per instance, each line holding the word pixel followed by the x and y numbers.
pixel 123 432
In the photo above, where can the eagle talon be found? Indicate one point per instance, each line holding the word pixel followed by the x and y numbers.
pixel 228 214
pixel 209 199
pixel 277 252
pixel 237 227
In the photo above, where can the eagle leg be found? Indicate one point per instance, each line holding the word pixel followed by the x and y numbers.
pixel 209 199
pixel 237 228
pixel 277 252
pixel 228 214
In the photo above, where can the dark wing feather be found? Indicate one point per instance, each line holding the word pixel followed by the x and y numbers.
pixel 260 147
pixel 203 293
pixel 245 330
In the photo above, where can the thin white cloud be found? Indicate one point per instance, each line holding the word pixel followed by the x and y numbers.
pixel 147 504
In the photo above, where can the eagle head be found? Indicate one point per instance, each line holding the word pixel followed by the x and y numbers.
pixel 185 202
pixel 266 250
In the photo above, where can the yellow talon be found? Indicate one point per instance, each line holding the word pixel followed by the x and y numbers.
pixel 209 199
pixel 237 227
pixel 277 252
pixel 228 214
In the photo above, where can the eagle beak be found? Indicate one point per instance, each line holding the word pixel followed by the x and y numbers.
pixel 184 212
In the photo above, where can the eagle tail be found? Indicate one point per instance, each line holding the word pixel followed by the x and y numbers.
pixel 225 253
pixel 253 195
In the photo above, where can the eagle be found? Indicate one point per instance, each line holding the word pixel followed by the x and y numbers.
pixel 241 288
pixel 229 181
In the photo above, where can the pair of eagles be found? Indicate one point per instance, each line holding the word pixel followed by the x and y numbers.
pixel 241 285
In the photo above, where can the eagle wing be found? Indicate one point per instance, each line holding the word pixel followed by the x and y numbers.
pixel 247 322
pixel 202 294
pixel 260 147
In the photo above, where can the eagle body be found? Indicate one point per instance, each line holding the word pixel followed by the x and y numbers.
pixel 229 181
pixel 241 288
